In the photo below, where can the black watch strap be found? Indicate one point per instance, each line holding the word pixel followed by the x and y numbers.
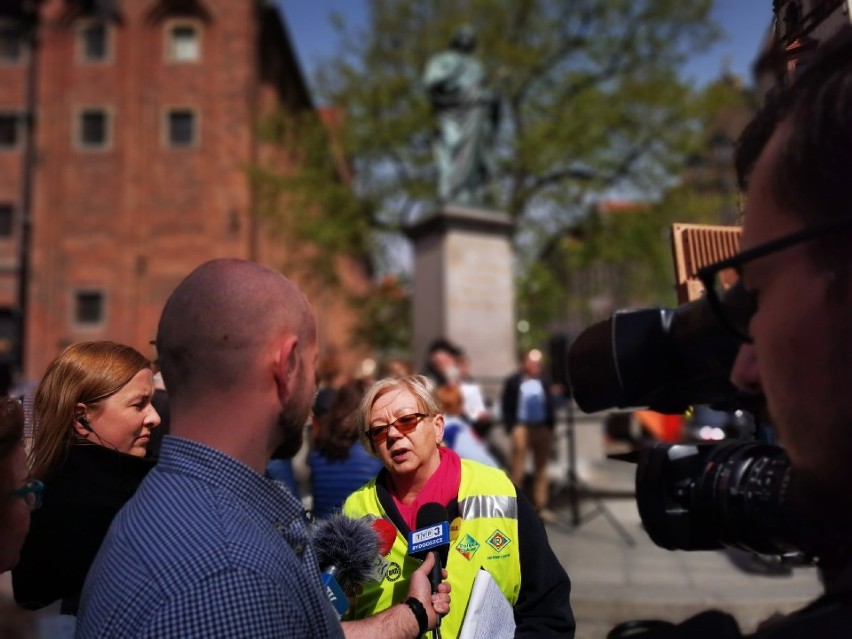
pixel 419 614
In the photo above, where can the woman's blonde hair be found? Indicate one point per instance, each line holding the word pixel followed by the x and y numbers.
pixel 418 385
pixel 87 373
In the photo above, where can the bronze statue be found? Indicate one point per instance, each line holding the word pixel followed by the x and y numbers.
pixel 468 114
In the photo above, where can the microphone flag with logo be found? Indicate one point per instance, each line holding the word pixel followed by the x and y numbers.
pixel 432 534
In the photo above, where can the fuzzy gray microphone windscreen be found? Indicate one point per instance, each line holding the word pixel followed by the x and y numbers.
pixel 348 547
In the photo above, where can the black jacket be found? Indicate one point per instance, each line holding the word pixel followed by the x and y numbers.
pixel 509 401
pixel 80 501
pixel 828 617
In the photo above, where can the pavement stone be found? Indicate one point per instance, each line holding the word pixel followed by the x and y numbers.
pixel 613 581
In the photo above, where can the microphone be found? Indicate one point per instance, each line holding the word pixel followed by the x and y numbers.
pixel 386 532
pixel 432 535
pixel 346 550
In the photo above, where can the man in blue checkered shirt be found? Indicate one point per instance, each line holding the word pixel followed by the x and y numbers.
pixel 209 547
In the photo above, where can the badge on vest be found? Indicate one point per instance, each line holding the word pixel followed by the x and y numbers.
pixel 467 547
pixel 498 541
pixel 394 572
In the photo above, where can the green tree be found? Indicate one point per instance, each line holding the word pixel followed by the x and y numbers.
pixel 592 102
pixel 621 259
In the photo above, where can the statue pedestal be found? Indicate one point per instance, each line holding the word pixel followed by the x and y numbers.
pixel 463 289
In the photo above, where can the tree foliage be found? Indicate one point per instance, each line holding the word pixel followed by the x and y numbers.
pixel 592 100
pixel 614 259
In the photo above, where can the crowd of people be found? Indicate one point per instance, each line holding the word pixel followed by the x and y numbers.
pixel 191 535
pixel 334 462
pixel 377 447
pixel 97 485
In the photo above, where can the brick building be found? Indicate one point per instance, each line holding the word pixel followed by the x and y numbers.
pixel 146 117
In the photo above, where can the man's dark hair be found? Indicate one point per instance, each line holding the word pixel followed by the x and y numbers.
pixel 443 344
pixel 813 173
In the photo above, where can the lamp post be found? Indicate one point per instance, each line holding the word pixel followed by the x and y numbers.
pixel 30 31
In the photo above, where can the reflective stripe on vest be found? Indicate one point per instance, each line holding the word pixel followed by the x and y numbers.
pixel 478 506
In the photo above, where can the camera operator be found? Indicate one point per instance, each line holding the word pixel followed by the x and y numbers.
pixel 795 322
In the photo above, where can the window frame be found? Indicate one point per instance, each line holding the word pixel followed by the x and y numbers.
pixel 81 42
pixel 8 27
pixel 79 324
pixel 12 210
pixel 167 127
pixel 19 131
pixel 170 46
pixel 79 114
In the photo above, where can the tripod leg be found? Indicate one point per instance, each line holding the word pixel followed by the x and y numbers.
pixel 628 539
pixel 575 486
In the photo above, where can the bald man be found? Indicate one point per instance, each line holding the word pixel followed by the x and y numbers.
pixel 208 546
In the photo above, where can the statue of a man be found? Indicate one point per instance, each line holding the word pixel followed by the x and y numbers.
pixel 468 113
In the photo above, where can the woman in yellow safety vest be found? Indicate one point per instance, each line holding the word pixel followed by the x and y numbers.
pixel 492 526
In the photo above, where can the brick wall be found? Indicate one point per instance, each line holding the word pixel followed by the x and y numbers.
pixel 131 219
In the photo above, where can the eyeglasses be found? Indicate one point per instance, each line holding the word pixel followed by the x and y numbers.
pixel 733 305
pixel 404 424
pixel 31 492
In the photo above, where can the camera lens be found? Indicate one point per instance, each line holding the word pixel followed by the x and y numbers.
pixel 702 496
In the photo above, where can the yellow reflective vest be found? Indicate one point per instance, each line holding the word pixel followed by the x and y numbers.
pixel 483 535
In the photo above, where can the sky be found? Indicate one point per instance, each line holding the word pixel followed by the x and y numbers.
pixel 744 22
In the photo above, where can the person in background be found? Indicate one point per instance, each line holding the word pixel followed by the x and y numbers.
pixel 474 407
pixel 281 470
pixel 338 462
pixel 458 433
pixel 209 546
pixel 397 368
pixel 401 423
pixel 95 414
pixel 528 414
pixel 331 377
pixel 19 495
pixel 441 365
pixel 16 623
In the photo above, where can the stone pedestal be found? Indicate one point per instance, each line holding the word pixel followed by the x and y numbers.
pixel 463 289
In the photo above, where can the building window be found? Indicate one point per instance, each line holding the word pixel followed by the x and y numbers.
pixel 89 308
pixel 7 216
pixel 10 131
pixel 182 128
pixel 184 43
pixel 93 128
pixel 93 41
pixel 11 45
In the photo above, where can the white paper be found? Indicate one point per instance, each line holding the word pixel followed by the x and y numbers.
pixel 489 614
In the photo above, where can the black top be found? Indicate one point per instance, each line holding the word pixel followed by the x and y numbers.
pixel 80 501
pixel 828 617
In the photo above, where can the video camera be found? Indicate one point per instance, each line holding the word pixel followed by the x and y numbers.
pixel 693 496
